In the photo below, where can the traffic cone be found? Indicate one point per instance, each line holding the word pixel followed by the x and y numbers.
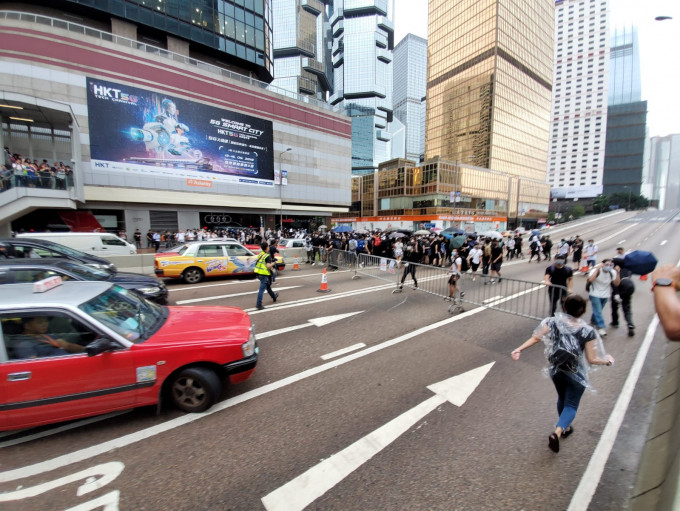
pixel 324 283
pixel 643 277
pixel 296 263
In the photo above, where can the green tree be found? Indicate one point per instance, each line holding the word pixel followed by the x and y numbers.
pixel 576 212
pixel 601 204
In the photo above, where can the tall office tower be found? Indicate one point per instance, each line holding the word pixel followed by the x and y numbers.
pixel 626 116
pixel 302 57
pixel 579 109
pixel 625 84
pixel 664 171
pixel 489 83
pixel 410 85
pixel 363 39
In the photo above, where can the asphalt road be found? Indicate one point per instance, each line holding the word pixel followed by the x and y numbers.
pixel 362 428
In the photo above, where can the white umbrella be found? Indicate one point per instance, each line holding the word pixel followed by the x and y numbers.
pixel 323 227
pixel 396 235
pixel 422 232
pixel 361 231
pixel 491 234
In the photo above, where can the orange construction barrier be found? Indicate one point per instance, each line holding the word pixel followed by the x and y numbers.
pixel 643 277
pixel 296 263
pixel 324 283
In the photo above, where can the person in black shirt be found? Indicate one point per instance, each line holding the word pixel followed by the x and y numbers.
pixel 496 261
pixel 411 255
pixel 558 274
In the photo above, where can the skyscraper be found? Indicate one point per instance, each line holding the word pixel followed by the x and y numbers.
pixel 363 39
pixel 410 86
pixel 489 83
pixel 579 109
pixel 626 116
pixel 302 58
pixel 625 84
pixel 664 171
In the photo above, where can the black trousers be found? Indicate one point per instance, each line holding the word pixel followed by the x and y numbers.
pixel 557 295
pixel 625 306
pixel 411 268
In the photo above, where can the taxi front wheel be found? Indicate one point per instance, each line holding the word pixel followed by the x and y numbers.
pixel 195 389
pixel 192 275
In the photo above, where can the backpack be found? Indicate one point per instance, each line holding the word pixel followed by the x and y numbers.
pixel 565 350
pixel 353 244
pixel 361 244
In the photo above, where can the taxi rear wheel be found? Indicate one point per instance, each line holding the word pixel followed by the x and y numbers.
pixel 192 275
pixel 195 389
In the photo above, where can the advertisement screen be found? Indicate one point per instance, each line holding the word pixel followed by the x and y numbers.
pixel 145 132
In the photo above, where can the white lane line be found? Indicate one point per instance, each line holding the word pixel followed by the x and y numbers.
pixel 319 322
pixel 663 242
pixel 241 281
pixel 622 242
pixel 343 351
pixel 593 473
pixel 492 299
pixel 219 297
pixel 61 429
pixel 124 441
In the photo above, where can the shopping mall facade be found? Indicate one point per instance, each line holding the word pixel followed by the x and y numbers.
pixel 156 137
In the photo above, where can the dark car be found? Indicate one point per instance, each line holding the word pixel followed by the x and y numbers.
pixel 33 248
pixel 17 271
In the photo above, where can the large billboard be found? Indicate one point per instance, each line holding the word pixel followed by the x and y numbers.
pixel 146 132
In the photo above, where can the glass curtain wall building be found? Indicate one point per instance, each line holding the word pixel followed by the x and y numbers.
pixel 626 116
pixel 363 39
pixel 302 43
pixel 241 28
pixel 664 171
pixel 410 86
pixel 489 85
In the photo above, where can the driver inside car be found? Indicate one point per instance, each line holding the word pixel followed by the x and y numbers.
pixel 34 341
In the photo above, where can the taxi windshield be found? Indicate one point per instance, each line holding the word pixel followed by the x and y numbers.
pixel 125 312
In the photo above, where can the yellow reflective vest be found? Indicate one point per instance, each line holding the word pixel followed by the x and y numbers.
pixel 261 266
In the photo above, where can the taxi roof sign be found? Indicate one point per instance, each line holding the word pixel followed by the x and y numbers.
pixel 46 284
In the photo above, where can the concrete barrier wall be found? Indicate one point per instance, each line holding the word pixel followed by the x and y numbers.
pixel 136 263
pixel 658 482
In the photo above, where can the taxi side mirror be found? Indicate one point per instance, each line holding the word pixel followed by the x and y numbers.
pixel 100 345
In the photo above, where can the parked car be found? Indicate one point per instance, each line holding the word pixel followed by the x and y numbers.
pixel 76 349
pixel 194 261
pixel 17 271
pixel 97 243
pixel 33 248
pixel 291 243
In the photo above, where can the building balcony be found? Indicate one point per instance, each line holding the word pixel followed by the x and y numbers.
pixel 384 56
pixel 318 68
pixel 338 28
pixel 304 48
pixel 312 6
pixel 368 7
pixel 20 194
pixel 380 40
pixel 338 14
pixel 306 86
pixel 336 97
pixel 383 135
pixel 338 59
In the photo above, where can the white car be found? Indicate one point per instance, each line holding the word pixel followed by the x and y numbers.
pixel 291 243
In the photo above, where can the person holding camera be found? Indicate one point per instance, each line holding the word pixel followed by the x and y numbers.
pixel 600 280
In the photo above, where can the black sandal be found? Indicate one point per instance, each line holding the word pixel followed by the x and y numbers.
pixel 554 442
pixel 567 432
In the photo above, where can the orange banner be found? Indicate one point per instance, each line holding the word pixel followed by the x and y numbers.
pixel 199 182
pixel 419 218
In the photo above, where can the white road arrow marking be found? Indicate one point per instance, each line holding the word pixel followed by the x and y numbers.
pixel 219 297
pixel 310 322
pixel 664 242
pixel 306 488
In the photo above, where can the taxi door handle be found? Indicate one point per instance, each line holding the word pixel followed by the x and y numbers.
pixel 19 376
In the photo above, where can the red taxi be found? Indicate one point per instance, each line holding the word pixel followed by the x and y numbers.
pixel 75 349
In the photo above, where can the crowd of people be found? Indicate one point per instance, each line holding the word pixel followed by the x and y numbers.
pixel 18 171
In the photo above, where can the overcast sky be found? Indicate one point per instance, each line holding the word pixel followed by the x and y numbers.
pixel 659 51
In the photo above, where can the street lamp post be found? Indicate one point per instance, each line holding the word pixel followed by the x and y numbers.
pixel 281 187
pixel 629 192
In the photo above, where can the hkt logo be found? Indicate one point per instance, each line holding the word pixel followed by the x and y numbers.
pixel 117 95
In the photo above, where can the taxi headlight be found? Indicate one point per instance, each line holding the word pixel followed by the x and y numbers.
pixel 248 347
pixel 149 290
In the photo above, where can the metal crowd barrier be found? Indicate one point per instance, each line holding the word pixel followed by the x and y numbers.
pixel 341 260
pixel 518 297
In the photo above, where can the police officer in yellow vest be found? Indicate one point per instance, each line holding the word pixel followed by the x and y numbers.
pixel 263 267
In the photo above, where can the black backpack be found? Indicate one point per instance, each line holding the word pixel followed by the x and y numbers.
pixel 565 351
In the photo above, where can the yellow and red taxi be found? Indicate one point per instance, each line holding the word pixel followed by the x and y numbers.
pixel 75 349
pixel 194 261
